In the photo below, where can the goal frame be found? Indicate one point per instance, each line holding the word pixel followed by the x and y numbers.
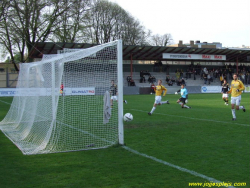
pixel 23 129
pixel 120 92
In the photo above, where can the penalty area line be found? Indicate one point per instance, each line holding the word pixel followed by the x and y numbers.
pixel 177 167
pixel 195 118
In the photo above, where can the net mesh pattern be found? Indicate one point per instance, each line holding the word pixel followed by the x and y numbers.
pixel 59 105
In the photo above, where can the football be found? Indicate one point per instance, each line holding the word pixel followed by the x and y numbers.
pixel 128 117
pixel 176 93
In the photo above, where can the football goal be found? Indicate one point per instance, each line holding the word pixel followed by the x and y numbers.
pixel 62 102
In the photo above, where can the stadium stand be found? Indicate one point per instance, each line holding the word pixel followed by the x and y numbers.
pixel 161 75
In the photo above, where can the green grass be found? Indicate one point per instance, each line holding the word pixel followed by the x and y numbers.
pixel 202 139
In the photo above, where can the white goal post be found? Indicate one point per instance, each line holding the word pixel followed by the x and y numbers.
pixel 62 102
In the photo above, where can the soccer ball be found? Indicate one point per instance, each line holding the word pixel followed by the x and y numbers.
pixel 128 117
pixel 176 93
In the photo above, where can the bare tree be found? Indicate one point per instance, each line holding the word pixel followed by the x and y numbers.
pixel 135 33
pixel 108 22
pixel 104 20
pixel 28 22
pixel 160 40
pixel 73 23
pixel 23 23
pixel 5 34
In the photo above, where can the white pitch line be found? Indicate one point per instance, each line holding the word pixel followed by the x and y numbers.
pixel 178 167
pixel 248 125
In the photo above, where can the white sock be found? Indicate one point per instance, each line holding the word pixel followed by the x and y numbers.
pixel 153 109
pixel 180 103
pixel 240 107
pixel 185 106
pixel 233 113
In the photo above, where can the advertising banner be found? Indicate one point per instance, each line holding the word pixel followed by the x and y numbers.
pixel 193 56
pixel 10 92
pixel 210 89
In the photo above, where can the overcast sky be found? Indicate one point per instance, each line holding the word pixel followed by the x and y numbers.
pixel 225 21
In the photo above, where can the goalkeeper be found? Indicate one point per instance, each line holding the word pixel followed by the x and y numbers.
pixel 184 97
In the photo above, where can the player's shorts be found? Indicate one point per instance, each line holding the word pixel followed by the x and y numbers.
pixel 157 99
pixel 114 98
pixel 224 95
pixel 236 100
pixel 183 100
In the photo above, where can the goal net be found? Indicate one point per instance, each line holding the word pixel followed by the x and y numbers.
pixel 62 102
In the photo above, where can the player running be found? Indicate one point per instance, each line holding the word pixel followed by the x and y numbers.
pixel 224 91
pixel 236 89
pixel 113 93
pixel 184 97
pixel 158 92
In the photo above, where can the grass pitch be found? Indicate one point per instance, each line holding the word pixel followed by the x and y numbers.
pixel 203 139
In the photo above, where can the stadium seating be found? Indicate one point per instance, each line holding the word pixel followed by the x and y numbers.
pixel 162 76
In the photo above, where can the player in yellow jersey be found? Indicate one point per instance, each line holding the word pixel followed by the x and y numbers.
pixel 236 89
pixel 159 90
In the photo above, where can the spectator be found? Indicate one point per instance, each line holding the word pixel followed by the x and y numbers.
pixel 147 73
pixel 211 75
pixel 173 80
pixel 205 78
pixel 132 82
pixel 216 73
pixel 201 75
pixel 142 79
pixel 151 79
pixel 194 72
pixel 178 74
pixel 179 82
pixel 128 80
pixel 167 78
pixel 141 73
pixel 205 70
pixel 208 78
pixel 181 73
pixel 170 83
